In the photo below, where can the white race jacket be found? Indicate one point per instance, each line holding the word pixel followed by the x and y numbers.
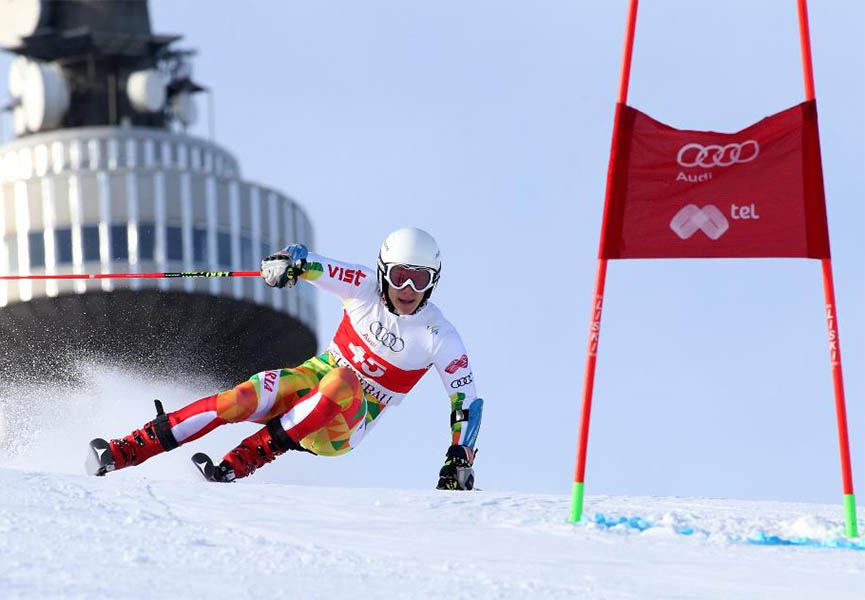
pixel 390 353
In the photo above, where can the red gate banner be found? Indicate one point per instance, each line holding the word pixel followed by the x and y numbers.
pixel 676 193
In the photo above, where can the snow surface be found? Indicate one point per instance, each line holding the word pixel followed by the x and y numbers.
pixel 74 536
pixel 158 531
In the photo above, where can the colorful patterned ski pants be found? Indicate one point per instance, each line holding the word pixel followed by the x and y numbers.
pixel 320 405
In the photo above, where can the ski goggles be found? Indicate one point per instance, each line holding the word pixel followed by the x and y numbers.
pixel 419 278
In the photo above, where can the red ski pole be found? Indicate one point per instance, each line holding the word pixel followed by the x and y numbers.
pixel 134 275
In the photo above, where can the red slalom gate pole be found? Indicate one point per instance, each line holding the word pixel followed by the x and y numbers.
pixel 184 274
pixel 578 489
pixel 831 311
pixel 840 403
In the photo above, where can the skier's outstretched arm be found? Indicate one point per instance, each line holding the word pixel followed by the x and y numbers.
pixel 452 363
pixel 284 267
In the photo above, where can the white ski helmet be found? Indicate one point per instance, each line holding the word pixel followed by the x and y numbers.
pixel 410 247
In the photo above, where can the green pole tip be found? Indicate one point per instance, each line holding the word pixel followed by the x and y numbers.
pixel 850 515
pixel 577 502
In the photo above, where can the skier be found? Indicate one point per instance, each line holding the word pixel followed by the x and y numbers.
pixel 390 335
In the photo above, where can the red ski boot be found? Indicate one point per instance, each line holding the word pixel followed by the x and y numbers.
pixel 152 439
pixel 255 451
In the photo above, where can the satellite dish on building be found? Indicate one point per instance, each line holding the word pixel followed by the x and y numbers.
pixel 46 96
pixel 21 18
pixel 146 90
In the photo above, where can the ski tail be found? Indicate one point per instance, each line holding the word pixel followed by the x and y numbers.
pixel 219 473
pixel 204 464
pixel 99 460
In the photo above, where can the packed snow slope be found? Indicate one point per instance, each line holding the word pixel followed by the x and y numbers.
pixel 78 537
pixel 158 531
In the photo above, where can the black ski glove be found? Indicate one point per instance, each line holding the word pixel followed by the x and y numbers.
pixel 457 473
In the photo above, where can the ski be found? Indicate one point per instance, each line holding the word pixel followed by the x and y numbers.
pixel 99 458
pixel 204 464
pixel 211 472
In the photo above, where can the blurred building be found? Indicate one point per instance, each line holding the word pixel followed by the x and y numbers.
pixel 102 178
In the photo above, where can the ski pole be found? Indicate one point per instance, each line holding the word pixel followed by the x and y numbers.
pixel 135 275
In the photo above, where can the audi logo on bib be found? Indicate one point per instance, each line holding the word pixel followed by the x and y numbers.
pixel 715 155
pixel 364 360
pixel 385 337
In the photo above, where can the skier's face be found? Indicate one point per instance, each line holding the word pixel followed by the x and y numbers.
pixel 405 300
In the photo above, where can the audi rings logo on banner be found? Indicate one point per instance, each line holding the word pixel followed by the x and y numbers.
pixel 385 337
pixel 458 383
pixel 713 155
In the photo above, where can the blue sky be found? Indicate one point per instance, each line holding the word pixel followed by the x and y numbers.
pixel 488 124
